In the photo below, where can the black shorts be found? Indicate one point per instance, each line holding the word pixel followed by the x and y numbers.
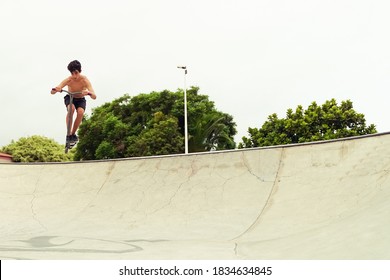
pixel 77 102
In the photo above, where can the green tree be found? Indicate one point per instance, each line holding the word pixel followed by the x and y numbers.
pixel 162 138
pixel 153 124
pixel 37 149
pixel 329 121
pixel 212 131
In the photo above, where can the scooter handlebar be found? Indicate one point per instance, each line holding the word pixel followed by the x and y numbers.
pixel 68 92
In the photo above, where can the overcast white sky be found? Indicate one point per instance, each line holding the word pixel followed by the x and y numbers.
pixel 252 57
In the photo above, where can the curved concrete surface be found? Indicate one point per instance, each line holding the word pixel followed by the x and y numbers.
pixel 326 200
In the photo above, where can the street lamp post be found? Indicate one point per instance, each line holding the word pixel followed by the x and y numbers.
pixel 185 109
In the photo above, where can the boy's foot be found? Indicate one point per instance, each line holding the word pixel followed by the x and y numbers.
pixel 73 139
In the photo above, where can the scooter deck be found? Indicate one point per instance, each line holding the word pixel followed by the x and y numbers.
pixel 69 145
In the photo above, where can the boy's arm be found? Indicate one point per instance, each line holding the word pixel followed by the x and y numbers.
pixel 89 91
pixel 60 86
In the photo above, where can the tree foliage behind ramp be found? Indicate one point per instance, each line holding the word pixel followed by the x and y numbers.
pixel 153 124
pixel 37 149
pixel 325 122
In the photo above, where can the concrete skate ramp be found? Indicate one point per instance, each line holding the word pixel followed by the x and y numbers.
pixel 328 200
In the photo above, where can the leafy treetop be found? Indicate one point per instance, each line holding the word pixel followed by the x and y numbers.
pixel 325 122
pixel 153 124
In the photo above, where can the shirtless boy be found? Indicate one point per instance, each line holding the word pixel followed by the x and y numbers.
pixel 76 83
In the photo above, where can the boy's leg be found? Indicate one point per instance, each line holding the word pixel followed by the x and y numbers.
pixel 78 120
pixel 80 105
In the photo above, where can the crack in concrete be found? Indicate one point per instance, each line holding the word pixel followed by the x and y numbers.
pixel 236 249
pixel 267 203
pixel 108 176
pixel 34 215
pixel 246 164
pixel 177 191
pixel 170 199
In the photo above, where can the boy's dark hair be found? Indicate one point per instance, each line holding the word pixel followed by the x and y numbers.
pixel 74 65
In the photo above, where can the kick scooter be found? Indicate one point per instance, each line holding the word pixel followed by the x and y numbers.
pixel 70 118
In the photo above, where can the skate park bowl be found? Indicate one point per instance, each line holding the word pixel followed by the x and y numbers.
pixel 323 200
